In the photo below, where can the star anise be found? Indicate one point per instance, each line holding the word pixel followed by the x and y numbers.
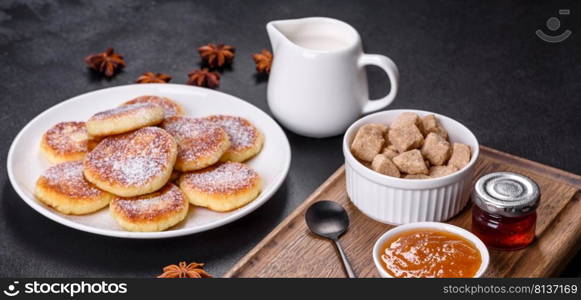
pixel 107 62
pixel 263 61
pixel 217 56
pixel 204 77
pixel 183 270
pixel 150 77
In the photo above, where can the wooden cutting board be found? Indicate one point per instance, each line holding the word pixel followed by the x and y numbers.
pixel 290 250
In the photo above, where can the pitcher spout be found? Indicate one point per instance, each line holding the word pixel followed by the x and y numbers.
pixel 274 34
pixel 280 30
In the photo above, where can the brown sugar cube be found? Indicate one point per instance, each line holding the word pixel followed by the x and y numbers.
pixel 405 119
pixel 389 152
pixel 436 149
pixel 417 176
pixel 368 142
pixel 431 124
pixel 406 137
pixel 383 128
pixel 460 156
pixel 439 171
pixel 411 162
pixel 382 164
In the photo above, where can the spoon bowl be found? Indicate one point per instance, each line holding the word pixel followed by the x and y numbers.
pixel 328 219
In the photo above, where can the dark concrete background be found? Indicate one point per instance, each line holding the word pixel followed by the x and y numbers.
pixel 476 61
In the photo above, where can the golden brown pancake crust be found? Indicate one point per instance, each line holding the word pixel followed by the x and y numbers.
pixel 243 135
pixel 198 140
pixel 151 207
pixel 121 111
pixel 64 188
pixel 170 108
pixel 224 178
pixel 124 119
pixel 66 141
pixel 67 179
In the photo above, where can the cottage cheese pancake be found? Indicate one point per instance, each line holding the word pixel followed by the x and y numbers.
pixel 64 188
pixel 132 164
pixel 246 140
pixel 124 119
pixel 65 141
pixel 223 187
pixel 170 108
pixel 200 142
pixel 152 212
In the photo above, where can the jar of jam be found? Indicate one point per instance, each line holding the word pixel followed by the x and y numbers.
pixel 504 215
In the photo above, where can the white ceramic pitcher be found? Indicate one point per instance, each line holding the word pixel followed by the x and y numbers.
pixel 318 85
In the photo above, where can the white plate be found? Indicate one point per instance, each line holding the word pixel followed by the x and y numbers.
pixel 25 162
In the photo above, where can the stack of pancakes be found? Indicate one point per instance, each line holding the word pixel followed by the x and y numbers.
pixel 148 163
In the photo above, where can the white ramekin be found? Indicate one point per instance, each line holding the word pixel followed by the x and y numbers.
pixel 398 201
pixel 377 248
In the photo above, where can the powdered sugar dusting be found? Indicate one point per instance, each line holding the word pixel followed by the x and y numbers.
pixel 171 108
pixel 135 169
pixel 67 137
pixel 67 178
pixel 196 137
pixel 170 198
pixel 224 178
pixel 133 158
pixel 241 132
pixel 137 109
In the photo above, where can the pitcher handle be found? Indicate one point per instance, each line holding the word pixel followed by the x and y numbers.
pixel 390 68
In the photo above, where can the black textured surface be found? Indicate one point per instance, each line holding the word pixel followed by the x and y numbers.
pixel 478 62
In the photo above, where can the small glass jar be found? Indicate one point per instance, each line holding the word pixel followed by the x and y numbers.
pixel 504 215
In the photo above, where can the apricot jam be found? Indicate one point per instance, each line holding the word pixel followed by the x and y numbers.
pixel 504 215
pixel 430 253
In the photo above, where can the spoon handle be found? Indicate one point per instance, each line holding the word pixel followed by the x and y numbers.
pixel 346 263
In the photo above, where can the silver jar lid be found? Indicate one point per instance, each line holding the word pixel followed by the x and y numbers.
pixel 507 194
